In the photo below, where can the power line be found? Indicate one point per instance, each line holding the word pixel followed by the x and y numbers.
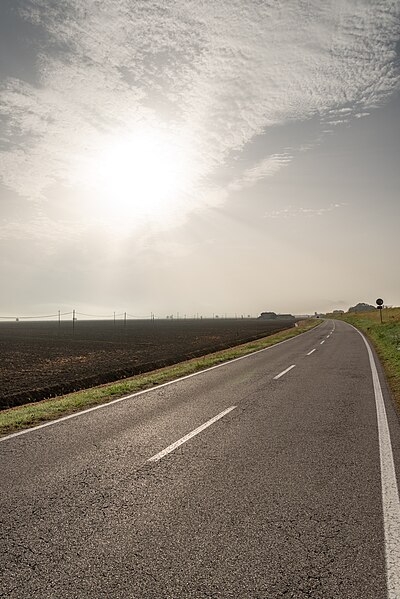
pixel 96 315
pixel 34 317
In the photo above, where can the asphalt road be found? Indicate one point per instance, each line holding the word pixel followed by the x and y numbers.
pixel 280 497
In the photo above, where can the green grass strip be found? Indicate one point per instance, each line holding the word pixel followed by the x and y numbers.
pixel 32 414
pixel 385 338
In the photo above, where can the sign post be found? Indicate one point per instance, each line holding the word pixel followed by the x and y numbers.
pixel 379 306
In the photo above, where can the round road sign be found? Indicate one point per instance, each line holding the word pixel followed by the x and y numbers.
pixel 379 301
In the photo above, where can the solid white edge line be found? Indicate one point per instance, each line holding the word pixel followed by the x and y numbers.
pixel 311 352
pixel 182 378
pixel 390 492
pixel 193 433
pixel 278 376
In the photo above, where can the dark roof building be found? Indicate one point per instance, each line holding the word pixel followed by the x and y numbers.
pixel 268 316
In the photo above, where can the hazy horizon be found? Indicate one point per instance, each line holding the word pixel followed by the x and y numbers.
pixel 205 158
pixel 121 317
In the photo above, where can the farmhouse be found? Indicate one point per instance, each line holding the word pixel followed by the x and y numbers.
pixel 274 316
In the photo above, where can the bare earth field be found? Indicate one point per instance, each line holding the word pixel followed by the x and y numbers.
pixel 42 359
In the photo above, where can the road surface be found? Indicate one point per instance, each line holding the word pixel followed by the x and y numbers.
pixel 268 477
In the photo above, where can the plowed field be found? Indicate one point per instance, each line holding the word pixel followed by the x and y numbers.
pixel 43 359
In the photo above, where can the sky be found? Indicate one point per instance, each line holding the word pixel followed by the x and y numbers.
pixel 199 157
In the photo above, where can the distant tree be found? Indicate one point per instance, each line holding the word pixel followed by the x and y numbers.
pixel 362 307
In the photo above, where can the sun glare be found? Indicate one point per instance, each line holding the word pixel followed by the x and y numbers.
pixel 137 178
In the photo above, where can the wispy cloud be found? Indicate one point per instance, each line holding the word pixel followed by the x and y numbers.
pixel 214 74
pixel 295 212
pixel 40 227
pixel 264 169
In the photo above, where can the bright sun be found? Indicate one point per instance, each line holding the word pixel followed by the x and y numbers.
pixel 137 178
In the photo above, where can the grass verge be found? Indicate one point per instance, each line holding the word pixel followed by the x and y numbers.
pixel 32 414
pixel 385 338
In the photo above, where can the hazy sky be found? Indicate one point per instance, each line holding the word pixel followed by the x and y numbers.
pixel 196 156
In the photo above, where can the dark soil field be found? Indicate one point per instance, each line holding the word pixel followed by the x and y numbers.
pixel 43 359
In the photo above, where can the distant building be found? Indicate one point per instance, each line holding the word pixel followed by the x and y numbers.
pixel 274 316
pixel 268 316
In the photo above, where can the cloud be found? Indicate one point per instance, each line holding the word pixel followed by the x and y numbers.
pixel 40 227
pixel 294 212
pixel 214 74
pixel 264 169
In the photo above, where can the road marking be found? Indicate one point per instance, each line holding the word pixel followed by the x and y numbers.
pixel 152 389
pixel 328 336
pixel 323 341
pixel 311 352
pixel 278 376
pixel 390 492
pixel 195 432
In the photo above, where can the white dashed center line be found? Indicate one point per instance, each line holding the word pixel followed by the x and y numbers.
pixel 311 352
pixel 278 376
pixel 323 341
pixel 195 432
